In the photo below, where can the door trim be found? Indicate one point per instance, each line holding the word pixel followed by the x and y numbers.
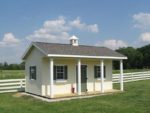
pixel 81 78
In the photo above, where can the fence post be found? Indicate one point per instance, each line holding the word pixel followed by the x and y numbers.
pixel 21 81
pixel 132 76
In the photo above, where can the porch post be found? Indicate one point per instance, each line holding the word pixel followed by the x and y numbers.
pixel 121 75
pixel 102 76
pixel 79 77
pixel 51 77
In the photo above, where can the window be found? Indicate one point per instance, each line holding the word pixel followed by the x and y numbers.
pixel 60 72
pixel 97 72
pixel 33 72
pixel 75 41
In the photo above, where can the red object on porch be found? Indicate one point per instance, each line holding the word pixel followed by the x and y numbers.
pixel 72 89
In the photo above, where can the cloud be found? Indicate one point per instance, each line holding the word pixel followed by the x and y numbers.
pixel 11 48
pixel 58 30
pixel 112 44
pixel 55 30
pixel 145 37
pixel 142 20
pixel 83 26
pixel 9 40
pixel 52 30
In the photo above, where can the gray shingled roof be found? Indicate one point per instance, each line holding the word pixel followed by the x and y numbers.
pixel 67 49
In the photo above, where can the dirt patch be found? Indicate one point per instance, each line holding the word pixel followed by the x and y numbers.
pixel 18 95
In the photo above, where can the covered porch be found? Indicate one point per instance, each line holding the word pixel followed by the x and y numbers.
pixel 76 70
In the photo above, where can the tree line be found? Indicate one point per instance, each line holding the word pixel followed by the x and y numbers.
pixel 6 66
pixel 138 58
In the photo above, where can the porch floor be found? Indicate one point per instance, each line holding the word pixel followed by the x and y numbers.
pixel 58 98
pixel 87 94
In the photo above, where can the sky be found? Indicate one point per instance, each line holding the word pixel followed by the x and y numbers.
pixel 110 23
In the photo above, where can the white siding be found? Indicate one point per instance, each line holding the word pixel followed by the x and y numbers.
pixel 34 59
pixel 41 85
pixel 65 87
pixel 59 88
pixel 94 84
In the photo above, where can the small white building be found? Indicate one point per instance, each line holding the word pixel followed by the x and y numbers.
pixel 54 69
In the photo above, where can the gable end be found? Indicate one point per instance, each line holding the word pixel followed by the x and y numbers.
pixel 29 50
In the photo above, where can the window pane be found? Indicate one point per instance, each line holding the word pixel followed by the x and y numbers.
pixel 60 72
pixel 32 72
pixel 59 75
pixel 60 69
pixel 98 71
pixel 98 74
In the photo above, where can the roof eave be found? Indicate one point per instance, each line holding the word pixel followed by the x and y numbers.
pixel 83 56
pixel 26 51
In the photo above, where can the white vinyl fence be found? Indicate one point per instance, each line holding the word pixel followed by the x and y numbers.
pixel 15 85
pixel 129 77
pixel 12 85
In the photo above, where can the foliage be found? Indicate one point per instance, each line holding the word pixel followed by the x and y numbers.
pixel 6 66
pixel 146 54
pixel 135 99
pixel 137 58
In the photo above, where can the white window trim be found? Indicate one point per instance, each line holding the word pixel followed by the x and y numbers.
pixel 99 78
pixel 33 79
pixel 30 73
pixel 60 80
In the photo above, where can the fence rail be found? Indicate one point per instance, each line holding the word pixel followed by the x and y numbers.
pixel 135 76
pixel 14 85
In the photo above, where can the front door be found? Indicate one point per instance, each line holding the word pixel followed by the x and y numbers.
pixel 83 78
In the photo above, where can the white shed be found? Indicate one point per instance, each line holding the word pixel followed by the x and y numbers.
pixel 54 69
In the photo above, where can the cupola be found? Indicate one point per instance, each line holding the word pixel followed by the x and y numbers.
pixel 74 40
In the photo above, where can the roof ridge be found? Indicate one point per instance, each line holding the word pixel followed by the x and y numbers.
pixel 70 44
pixel 50 43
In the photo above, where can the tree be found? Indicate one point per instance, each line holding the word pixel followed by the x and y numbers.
pixel 6 66
pixel 146 54
pixel 22 65
pixel 1 66
pixel 135 58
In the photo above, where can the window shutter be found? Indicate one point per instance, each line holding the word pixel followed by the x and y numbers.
pixel 34 72
pixel 30 72
pixel 104 72
pixel 65 72
pixel 54 72
pixel 100 71
pixel 95 71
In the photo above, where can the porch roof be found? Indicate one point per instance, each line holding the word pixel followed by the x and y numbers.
pixel 67 50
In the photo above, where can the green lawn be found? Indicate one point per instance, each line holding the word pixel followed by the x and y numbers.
pixel 135 99
pixel 11 74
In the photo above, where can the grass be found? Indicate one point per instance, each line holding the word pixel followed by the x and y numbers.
pixel 11 74
pixel 135 99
